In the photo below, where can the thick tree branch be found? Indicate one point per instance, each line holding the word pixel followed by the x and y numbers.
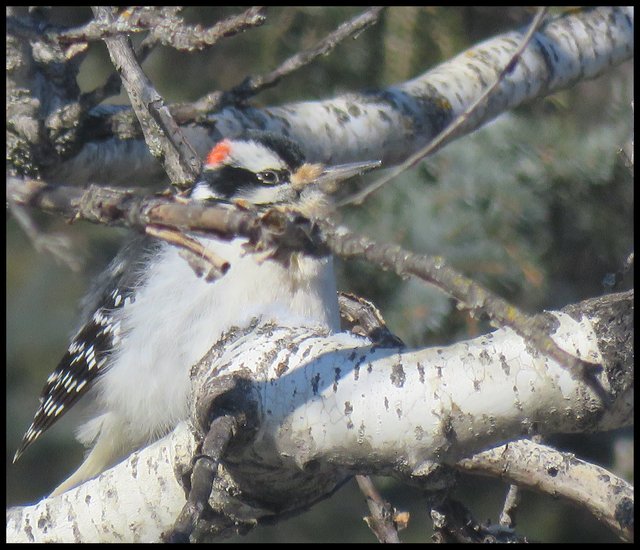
pixel 323 404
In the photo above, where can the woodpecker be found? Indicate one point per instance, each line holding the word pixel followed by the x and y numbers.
pixel 149 318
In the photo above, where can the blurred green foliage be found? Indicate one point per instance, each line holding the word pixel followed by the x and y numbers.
pixel 538 206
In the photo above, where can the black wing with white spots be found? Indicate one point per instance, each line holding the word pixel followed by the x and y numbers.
pixel 87 357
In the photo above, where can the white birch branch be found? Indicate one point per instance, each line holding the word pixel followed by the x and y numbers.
pixel 328 406
pixel 541 468
pixel 392 123
pixel 132 502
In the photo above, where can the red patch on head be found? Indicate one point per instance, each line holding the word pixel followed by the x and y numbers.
pixel 219 153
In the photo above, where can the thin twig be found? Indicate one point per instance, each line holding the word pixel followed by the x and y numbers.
pixel 163 24
pixel 164 137
pixel 457 125
pixel 112 86
pixel 58 245
pixel 188 38
pixel 353 27
pixel 453 522
pixel 382 519
pixel 202 260
pixel 214 101
pixel 514 495
pixel 511 502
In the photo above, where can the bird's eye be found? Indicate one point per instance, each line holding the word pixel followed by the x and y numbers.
pixel 269 177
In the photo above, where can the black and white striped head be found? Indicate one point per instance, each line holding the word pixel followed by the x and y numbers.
pixel 265 168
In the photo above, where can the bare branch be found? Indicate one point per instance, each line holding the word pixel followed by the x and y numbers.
pixel 214 101
pixel 202 261
pixel 130 208
pixel 511 502
pixel 188 38
pixel 348 29
pixel 543 469
pixel 112 86
pixel 58 245
pixel 163 24
pixel 382 520
pixel 453 522
pixel 164 137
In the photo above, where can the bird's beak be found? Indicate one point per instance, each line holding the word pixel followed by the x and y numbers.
pixel 341 172
pixel 332 175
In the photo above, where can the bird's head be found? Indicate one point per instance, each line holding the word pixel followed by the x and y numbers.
pixel 268 169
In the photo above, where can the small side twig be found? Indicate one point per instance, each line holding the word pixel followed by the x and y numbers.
pixel 514 495
pixel 253 85
pixel 59 246
pixel 176 34
pixel 384 521
pixel 363 318
pixel 511 503
pixel 202 260
pixel 453 522
pixel 163 24
pixel 164 137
